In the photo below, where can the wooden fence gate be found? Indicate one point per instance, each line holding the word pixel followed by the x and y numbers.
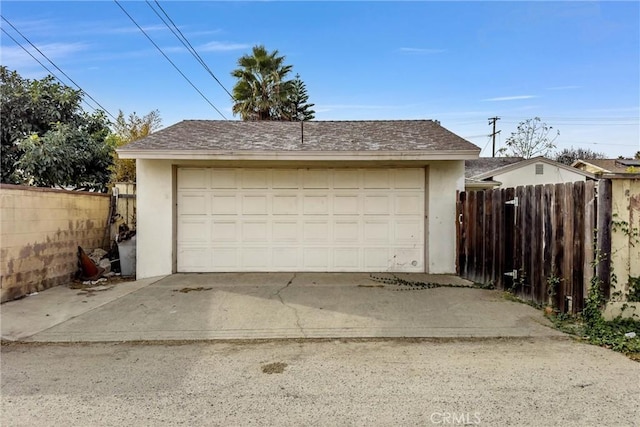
pixel 538 241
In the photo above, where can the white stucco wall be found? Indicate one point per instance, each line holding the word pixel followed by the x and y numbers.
pixel 445 178
pixel 155 210
pixel 526 175
pixel 154 222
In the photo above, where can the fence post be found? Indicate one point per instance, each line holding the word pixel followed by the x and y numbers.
pixel 603 249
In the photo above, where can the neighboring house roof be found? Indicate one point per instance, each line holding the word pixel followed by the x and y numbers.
pixel 608 165
pixel 480 184
pixel 423 138
pixel 475 167
pixel 512 164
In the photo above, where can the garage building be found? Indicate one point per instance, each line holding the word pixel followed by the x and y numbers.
pixel 352 196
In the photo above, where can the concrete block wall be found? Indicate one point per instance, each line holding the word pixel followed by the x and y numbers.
pixel 40 231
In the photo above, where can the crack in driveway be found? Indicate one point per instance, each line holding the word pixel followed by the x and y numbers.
pixel 295 312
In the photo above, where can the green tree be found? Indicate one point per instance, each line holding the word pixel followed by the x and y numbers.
pixel 127 130
pixel 69 156
pixel 569 155
pixel 298 108
pixel 31 107
pixel 532 138
pixel 47 138
pixel 261 92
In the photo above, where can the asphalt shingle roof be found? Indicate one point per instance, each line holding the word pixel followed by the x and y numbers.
pixel 609 165
pixel 475 167
pixel 382 135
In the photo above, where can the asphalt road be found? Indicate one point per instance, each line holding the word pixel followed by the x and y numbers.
pixel 493 382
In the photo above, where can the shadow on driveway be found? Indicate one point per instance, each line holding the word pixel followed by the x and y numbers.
pixel 289 305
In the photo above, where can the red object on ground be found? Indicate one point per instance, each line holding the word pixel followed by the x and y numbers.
pixel 89 269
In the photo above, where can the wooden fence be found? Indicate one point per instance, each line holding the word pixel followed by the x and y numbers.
pixel 538 241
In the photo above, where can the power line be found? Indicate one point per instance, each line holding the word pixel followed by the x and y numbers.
pixel 168 59
pixel 43 66
pixel 52 63
pixel 483 135
pixel 185 42
pixel 584 124
pixel 560 118
pixel 487 144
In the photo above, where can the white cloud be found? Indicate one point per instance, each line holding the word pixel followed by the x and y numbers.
pixel 421 50
pixel 510 98
pixel 15 56
pixel 134 29
pixel 221 47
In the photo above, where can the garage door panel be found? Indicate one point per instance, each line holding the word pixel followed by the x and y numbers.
pixel 224 259
pixel 285 178
pixel 195 258
pixel 408 232
pixel 347 259
pixel 377 204
pixel 407 257
pixel 315 178
pixel 300 219
pixel 195 230
pixel 285 231
pixel 285 204
pixel 316 231
pixel 377 231
pixel 346 179
pixel 252 257
pixel 224 178
pixel 346 204
pixel 255 178
pixel 225 204
pixel 285 257
pixel 408 204
pixel 316 258
pixel 346 231
pixel 224 231
pixel 316 205
pixel 194 204
pixel 376 179
pixel 376 258
pixel 254 204
pixel 255 231
pixel 193 179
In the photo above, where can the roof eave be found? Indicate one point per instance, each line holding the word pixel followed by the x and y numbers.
pixel 481 184
pixel 525 162
pixel 297 155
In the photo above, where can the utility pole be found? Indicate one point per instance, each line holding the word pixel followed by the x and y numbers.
pixel 493 120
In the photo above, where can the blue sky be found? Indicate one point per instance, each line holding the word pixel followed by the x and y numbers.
pixel 574 64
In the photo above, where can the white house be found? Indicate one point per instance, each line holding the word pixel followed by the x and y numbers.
pixel 505 172
pixel 223 196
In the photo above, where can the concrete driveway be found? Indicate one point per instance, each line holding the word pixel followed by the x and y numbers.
pixel 269 305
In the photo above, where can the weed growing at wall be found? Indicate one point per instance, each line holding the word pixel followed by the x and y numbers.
pixel 591 326
pixel 634 289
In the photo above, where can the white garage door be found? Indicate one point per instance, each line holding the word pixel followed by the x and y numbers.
pixel 300 220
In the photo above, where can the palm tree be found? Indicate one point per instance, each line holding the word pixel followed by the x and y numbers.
pixel 261 92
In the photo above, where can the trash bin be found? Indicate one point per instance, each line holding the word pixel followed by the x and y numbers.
pixel 127 251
